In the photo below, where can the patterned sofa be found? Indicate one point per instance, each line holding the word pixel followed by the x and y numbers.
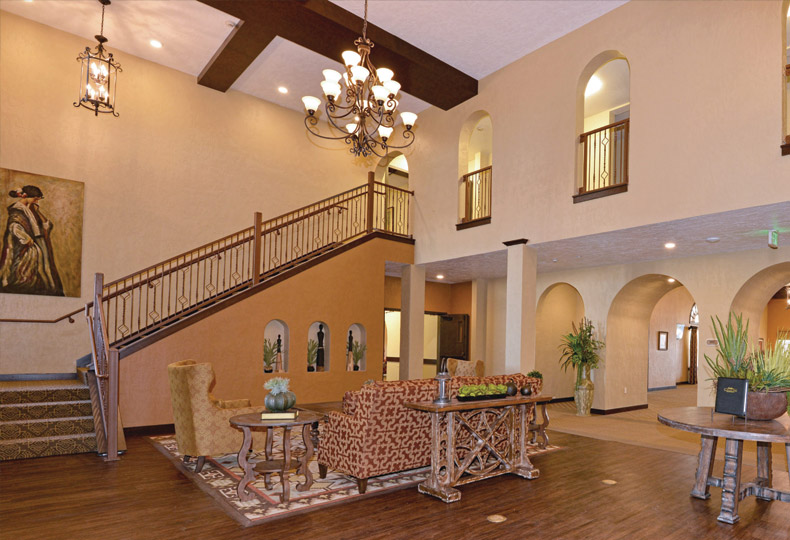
pixel 375 434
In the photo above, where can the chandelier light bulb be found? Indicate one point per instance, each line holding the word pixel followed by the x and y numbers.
pixel 380 93
pixel 384 74
pixel 408 119
pixel 359 74
pixel 331 89
pixel 330 75
pixel 385 132
pixel 351 128
pixel 392 86
pixel 311 104
pixel 350 58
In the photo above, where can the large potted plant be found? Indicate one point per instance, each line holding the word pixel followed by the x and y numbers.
pixel 580 351
pixel 768 372
pixel 312 354
pixel 269 355
pixel 357 353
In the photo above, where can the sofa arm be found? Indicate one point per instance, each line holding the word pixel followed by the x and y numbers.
pixel 340 442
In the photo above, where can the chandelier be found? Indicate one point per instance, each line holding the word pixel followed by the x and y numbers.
pixel 98 75
pixel 366 112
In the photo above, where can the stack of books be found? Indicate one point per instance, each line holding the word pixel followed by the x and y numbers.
pixel 284 415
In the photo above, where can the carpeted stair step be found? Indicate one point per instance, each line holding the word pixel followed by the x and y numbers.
pixel 72 392
pixel 33 411
pixel 47 446
pixel 46 427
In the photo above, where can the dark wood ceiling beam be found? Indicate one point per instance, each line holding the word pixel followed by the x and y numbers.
pixel 327 29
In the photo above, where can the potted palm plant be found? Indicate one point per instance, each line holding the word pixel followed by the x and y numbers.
pixel 357 352
pixel 580 351
pixel 768 372
pixel 269 355
pixel 312 354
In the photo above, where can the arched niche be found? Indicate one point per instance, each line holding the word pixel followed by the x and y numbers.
pixel 559 307
pixel 391 210
pixel 276 333
pixel 319 332
pixel 627 338
pixel 603 98
pixel 785 16
pixel 475 161
pixel 356 336
pixel 752 298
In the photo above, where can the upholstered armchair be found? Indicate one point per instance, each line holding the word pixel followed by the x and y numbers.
pixel 201 420
pixel 465 368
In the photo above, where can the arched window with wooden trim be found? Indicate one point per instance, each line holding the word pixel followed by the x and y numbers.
pixel 603 120
pixel 786 82
pixel 475 167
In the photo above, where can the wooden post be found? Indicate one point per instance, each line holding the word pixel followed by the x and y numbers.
pixel 256 247
pixel 371 198
pixel 112 407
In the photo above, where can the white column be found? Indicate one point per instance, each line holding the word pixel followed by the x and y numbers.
pixel 477 321
pixel 522 267
pixel 412 316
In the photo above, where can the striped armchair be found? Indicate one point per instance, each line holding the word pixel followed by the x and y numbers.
pixel 375 434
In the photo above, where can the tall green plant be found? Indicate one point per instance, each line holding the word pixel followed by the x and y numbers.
pixel 580 349
pixel 312 352
pixel 357 352
pixel 269 352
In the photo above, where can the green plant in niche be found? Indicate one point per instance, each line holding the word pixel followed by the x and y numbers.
pixel 357 352
pixel 312 352
pixel 580 350
pixel 269 353
pixel 277 385
pixel 535 373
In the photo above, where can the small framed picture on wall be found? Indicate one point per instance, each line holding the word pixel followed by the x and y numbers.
pixel 662 341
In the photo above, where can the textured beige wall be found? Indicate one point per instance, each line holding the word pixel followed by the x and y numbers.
pixel 681 141
pixel 559 307
pixel 666 368
pixel 181 166
pixel 342 291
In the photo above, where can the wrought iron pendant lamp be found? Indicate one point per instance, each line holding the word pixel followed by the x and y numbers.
pixel 98 77
pixel 366 112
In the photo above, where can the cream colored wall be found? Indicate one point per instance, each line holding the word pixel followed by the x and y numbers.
pixel 496 306
pixel 181 166
pixel 674 83
pixel 558 309
pixel 666 368
pixel 344 290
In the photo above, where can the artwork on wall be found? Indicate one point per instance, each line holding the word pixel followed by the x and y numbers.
pixel 662 341
pixel 41 226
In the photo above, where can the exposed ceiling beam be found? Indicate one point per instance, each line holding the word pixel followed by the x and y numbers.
pixel 327 29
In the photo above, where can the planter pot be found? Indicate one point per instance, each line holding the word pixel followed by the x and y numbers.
pixel 280 402
pixel 583 397
pixel 765 405
pixel 356 368
pixel 310 368
pixel 268 370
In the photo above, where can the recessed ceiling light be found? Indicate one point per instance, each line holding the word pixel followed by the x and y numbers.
pixel 671 280
pixel 554 260
pixel 669 245
pixel 282 89
pixel 712 239
pixel 156 44
pixel 593 86
pixel 439 276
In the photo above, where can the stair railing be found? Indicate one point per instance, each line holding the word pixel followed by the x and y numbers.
pixel 141 303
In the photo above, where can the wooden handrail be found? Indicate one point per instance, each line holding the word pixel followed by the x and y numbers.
pixel 396 188
pixel 610 126
pixel 467 175
pixel 68 316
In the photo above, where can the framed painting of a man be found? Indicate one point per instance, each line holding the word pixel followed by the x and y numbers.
pixel 41 242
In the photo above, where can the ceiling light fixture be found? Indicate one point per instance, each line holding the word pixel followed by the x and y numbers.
pixel 99 75
pixel 439 276
pixel 712 239
pixel 282 89
pixel 367 110
pixel 671 280
pixel 669 245
pixel 156 44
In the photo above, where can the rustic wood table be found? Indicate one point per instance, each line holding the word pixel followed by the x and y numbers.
pixel 710 426
pixel 308 421
pixel 475 440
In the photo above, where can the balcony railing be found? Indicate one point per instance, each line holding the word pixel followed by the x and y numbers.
pixel 605 165
pixel 477 196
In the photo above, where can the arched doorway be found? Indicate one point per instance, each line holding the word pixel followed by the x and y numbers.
pixel 393 170
pixel 762 300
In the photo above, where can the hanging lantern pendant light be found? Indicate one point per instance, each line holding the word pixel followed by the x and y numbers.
pixel 366 112
pixel 98 77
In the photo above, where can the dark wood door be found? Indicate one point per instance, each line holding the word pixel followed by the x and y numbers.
pixel 454 336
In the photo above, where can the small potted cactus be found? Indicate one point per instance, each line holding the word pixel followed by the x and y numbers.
pixel 279 397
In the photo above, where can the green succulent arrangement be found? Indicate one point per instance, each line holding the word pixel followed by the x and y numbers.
pixel 535 373
pixel 277 385
pixel 580 349
pixel 269 352
pixel 357 352
pixel 312 352
pixel 482 390
pixel 765 370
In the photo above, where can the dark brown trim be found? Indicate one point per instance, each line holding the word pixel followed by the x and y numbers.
pixel 163 332
pixel 38 376
pixel 472 223
pixel 619 410
pixel 598 193
pixel 161 429
pixel 516 242
pixel 561 399
pixel 397 172
pixel 786 149
pixel 425 361
pixel 673 387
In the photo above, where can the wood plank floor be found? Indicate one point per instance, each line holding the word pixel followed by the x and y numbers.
pixel 144 496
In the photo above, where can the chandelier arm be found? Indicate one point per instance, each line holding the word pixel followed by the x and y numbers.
pixel 311 121
pixel 408 135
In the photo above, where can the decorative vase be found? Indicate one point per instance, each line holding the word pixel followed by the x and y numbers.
pixel 765 405
pixel 279 402
pixel 583 395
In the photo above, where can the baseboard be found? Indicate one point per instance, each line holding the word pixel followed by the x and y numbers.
pixel 561 399
pixel 619 410
pixel 161 429
pixel 37 376
pixel 673 387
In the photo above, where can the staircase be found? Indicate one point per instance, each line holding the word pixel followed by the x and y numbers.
pixel 45 418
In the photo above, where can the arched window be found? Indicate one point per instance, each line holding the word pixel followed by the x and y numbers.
pixel 786 88
pixel 475 160
pixel 605 125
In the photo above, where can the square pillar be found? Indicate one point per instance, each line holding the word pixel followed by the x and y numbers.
pixel 522 270
pixel 477 320
pixel 412 317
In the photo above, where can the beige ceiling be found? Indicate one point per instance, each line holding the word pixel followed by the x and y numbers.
pixel 477 37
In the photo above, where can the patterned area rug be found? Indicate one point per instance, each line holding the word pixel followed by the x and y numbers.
pixel 220 477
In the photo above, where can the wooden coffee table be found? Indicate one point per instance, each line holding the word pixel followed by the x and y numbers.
pixel 247 422
pixel 710 426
